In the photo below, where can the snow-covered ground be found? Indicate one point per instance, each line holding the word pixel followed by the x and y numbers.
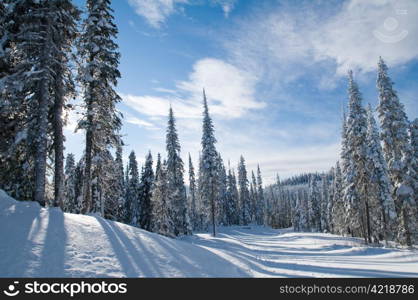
pixel 38 242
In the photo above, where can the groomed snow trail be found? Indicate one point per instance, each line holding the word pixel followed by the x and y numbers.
pixel 39 242
pixel 266 252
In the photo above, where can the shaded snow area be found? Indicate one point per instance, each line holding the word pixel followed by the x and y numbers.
pixel 39 242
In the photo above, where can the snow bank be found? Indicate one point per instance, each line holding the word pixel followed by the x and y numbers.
pixel 40 242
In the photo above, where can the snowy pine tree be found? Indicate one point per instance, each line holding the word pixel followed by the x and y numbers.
pixel 175 170
pixel 232 199
pixel 208 173
pixel 162 222
pixel 145 192
pixel 132 191
pixel 37 49
pixel 354 160
pixel 413 129
pixel 325 203
pixel 382 210
pixel 244 194
pixel 98 75
pixel 261 207
pixel 192 196
pixel 397 152
pixel 314 206
pixel 253 198
pixel 120 189
pixel 70 199
pixel 64 34
pixel 338 223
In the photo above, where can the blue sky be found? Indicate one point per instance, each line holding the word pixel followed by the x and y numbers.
pixel 274 73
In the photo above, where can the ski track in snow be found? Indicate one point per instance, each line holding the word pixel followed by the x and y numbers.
pixel 39 242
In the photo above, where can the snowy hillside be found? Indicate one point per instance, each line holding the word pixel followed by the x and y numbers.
pixel 45 242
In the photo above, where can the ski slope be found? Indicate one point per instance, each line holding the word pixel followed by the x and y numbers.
pixel 39 242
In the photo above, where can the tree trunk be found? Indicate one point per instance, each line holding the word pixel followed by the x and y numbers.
pixel 42 124
pixel 58 141
pixel 87 205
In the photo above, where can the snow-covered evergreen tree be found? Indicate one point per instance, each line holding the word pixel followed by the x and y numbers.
pixel 16 176
pixel 70 200
pixel 232 199
pixel 325 203
pixel 34 81
pixel 397 152
pixel 132 191
pixel 354 160
pixel 253 198
pixel 338 208
pixel 208 172
pixel 108 184
pixel 98 75
pixel 120 190
pixel 192 196
pixel 244 194
pixel 64 33
pixel 175 170
pixel 382 210
pixel 145 193
pixel 162 222
pixel 314 205
pixel 221 193
pixel 260 199
pixel 413 132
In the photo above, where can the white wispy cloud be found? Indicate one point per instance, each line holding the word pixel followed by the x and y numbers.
pixel 226 5
pixel 230 91
pixel 156 12
pixel 290 39
pixel 139 122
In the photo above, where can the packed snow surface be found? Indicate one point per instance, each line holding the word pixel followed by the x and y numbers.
pixel 39 242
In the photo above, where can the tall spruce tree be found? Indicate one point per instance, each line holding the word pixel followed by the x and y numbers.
pixel 314 205
pixel 221 195
pixel 383 214
pixel 230 207
pixel 244 194
pixel 120 189
pixel 261 207
pixel 145 193
pixel 325 203
pixel 397 152
pixel 162 222
pixel 70 200
pixel 175 170
pixel 132 199
pixel 192 196
pixel 413 129
pixel 232 210
pixel 35 80
pixel 253 197
pixel 64 34
pixel 98 75
pixel 338 209
pixel 208 174
pixel 356 190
